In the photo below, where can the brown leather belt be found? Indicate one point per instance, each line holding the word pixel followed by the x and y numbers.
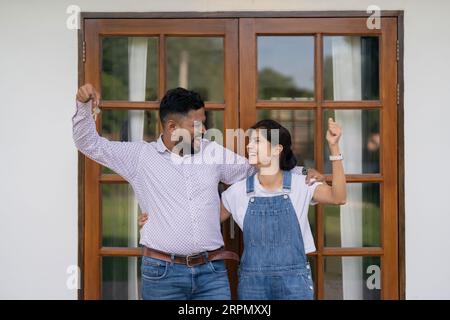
pixel 194 259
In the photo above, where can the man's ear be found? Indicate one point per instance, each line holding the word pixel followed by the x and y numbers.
pixel 170 125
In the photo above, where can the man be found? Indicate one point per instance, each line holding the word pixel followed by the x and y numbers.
pixel 183 244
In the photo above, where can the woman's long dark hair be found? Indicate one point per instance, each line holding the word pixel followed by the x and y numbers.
pixel 287 158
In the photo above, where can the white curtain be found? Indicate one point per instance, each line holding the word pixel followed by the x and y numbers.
pixel 137 72
pixel 183 72
pixel 346 52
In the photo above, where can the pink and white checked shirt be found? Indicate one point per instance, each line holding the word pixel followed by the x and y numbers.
pixel 180 196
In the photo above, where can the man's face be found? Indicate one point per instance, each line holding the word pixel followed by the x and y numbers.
pixel 192 128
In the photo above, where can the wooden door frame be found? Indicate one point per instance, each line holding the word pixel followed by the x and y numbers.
pixel 397 14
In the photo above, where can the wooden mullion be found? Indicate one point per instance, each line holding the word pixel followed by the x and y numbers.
pixel 338 251
pixel 351 104
pixel 285 104
pixel 362 178
pixel 120 252
pixel 162 67
pixel 127 105
pixel 318 149
pixel 112 178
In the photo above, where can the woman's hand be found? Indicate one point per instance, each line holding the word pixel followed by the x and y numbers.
pixel 142 219
pixel 334 132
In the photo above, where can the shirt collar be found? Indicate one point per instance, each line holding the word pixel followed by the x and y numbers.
pixel 160 146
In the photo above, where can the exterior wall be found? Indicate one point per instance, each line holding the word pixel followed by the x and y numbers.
pixel 38 166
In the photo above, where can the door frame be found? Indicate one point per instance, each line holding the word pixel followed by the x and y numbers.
pixel 398 14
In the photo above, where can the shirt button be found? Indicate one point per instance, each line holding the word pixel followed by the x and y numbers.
pixel 285 196
pixel 311 287
pixel 309 277
pixel 252 200
pixel 307 266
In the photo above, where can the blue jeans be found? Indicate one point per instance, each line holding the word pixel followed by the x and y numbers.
pixel 163 280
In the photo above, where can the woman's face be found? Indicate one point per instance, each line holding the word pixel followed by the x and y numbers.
pixel 260 151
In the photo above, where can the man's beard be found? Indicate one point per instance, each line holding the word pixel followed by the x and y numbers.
pixel 193 147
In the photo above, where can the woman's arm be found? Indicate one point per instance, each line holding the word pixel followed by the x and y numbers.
pixel 224 214
pixel 337 193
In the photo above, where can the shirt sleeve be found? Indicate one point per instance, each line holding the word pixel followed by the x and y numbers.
pixel 122 157
pixel 234 167
pixel 231 199
pixel 226 200
pixel 297 170
pixel 311 190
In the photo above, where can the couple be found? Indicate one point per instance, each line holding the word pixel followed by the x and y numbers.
pixel 183 245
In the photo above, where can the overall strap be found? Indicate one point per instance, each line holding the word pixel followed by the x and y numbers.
pixel 287 180
pixel 250 184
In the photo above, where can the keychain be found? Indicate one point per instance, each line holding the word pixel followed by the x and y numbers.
pixel 95 112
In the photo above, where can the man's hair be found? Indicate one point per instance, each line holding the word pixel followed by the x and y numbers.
pixel 179 101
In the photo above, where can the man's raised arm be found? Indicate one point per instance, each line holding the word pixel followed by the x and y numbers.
pixel 122 157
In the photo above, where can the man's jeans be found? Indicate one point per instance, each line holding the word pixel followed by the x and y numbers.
pixel 163 280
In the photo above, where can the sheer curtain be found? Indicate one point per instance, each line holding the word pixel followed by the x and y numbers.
pixel 346 52
pixel 137 73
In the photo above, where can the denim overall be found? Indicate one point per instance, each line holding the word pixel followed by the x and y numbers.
pixel 274 264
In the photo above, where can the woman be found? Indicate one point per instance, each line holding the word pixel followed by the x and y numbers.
pixel 271 208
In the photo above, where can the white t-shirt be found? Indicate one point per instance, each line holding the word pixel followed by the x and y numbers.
pixel 235 200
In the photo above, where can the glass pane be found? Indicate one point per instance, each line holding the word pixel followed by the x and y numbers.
pixel 285 68
pixel 352 278
pixel 120 211
pixel 300 124
pixel 196 63
pixel 129 125
pixel 351 68
pixel 121 278
pixel 129 68
pixel 214 120
pixel 357 223
pixel 313 262
pixel 214 126
pixel 360 143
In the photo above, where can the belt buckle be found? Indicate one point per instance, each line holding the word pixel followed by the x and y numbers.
pixel 188 259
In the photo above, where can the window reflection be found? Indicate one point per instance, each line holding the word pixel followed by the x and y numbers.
pixel 285 68
pixel 196 63
pixel 300 124
pixel 351 68
pixel 352 278
pixel 129 68
pixel 360 144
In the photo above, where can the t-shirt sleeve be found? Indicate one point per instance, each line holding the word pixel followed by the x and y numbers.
pixel 311 190
pixel 234 199
pixel 227 200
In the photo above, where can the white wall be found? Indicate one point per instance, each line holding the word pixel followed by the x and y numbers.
pixel 38 162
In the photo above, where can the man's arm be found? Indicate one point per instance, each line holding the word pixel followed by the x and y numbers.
pixel 122 157
pixel 224 214
pixel 236 168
